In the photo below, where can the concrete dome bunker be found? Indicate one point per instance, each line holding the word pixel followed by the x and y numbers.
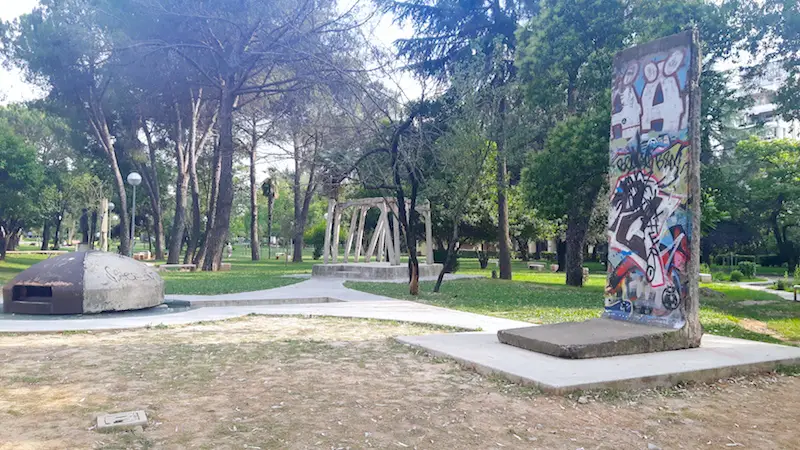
pixel 84 283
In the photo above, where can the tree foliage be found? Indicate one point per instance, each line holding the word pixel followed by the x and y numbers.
pixel 563 180
pixel 21 179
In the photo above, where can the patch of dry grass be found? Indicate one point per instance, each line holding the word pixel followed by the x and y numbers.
pixel 291 382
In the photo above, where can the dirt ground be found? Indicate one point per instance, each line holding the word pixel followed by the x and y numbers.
pixel 265 382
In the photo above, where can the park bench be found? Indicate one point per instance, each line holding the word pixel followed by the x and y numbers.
pixel 706 278
pixel 795 287
pixel 165 267
pixel 536 267
pixel 143 256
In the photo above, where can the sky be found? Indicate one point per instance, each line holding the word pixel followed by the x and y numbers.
pixel 12 86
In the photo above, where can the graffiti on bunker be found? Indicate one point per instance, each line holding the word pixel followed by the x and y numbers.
pixel 649 223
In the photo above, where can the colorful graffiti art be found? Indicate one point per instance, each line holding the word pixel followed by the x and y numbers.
pixel 649 223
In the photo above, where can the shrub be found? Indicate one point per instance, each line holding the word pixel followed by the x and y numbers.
pixel 315 236
pixel 797 273
pixel 549 256
pixel 483 259
pixel 748 269
pixel 737 275
pixel 781 284
pixel 769 260
pixel 719 276
pixel 704 268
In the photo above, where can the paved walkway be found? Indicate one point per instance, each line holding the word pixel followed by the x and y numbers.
pixel 765 287
pixel 327 297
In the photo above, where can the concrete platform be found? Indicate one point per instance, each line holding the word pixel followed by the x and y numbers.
pixel 717 357
pixel 372 271
pixel 593 339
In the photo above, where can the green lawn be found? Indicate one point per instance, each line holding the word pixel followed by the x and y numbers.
pixel 245 275
pixel 543 298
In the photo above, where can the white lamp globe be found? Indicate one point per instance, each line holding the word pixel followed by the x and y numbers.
pixel 134 179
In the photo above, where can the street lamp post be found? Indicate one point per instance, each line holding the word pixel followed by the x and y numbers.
pixel 106 225
pixel 134 179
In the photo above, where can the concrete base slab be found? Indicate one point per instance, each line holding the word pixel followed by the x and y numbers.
pixel 717 357
pixel 121 421
pixel 372 271
pixel 593 339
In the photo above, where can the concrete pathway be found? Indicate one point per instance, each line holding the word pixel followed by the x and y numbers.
pixel 314 297
pixel 765 287
pixel 311 290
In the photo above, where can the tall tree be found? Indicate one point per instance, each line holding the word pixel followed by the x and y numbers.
pixel 564 179
pixel 396 167
pixel 241 48
pixel 270 190
pixel 66 45
pixel 21 179
pixel 774 32
pixel 49 135
pixel 257 122
pixel 768 174
pixel 450 31
pixel 565 63
pixel 565 53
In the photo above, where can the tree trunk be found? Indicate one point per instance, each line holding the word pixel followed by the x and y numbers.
pixel 224 203
pixel 150 175
pixel 561 254
pixel 255 250
pixel 99 125
pixel 158 228
pixel 13 240
pixel 576 237
pixel 45 234
pixel 503 236
pixel 3 243
pixel 448 260
pixel 124 241
pixel 92 228
pixel 179 223
pixel 413 267
pixel 270 204
pixel 194 236
pixel 538 255
pixel 523 249
pixel 299 225
pixel 200 257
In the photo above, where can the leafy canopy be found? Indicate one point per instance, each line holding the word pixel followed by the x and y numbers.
pixel 564 179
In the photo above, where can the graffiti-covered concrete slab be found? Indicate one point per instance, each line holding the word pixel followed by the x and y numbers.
pixel 654 197
pixel 83 282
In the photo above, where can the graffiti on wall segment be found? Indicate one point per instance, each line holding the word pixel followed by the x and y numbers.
pixel 649 223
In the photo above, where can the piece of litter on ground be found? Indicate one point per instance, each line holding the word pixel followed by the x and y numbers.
pixel 122 420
